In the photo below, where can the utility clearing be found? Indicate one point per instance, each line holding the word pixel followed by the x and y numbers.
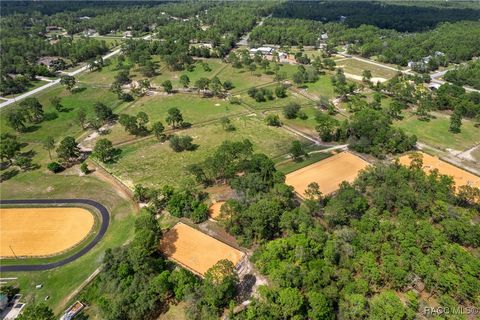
pixel 196 251
pixel 328 173
pixel 41 232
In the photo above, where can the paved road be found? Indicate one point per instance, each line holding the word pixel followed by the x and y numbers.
pixel 47 266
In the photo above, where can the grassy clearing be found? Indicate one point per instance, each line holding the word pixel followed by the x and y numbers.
pixel 322 87
pixel 58 283
pixel 356 67
pixel 291 165
pixel 160 165
pixel 194 109
pixel 308 125
pixel 275 103
pixel 436 133
pixel 64 124
pixel 106 76
pixel 243 79
pixel 197 73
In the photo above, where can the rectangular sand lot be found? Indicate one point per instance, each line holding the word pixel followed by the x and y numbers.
pixel 196 251
pixel 328 173
pixel 460 177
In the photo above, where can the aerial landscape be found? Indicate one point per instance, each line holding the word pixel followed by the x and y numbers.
pixel 240 160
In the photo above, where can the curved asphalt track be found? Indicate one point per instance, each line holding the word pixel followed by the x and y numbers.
pixel 41 267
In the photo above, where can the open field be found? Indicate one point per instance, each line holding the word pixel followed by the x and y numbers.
pixel 214 210
pixel 292 97
pixel 28 232
pixel 61 124
pixel 322 87
pixel 161 165
pixel 243 79
pixel 436 132
pixel 106 75
pixel 460 177
pixel 328 173
pixel 196 251
pixel 356 67
pixel 307 125
pixel 198 72
pixel 194 109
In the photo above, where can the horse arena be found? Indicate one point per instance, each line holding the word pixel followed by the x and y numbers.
pixel 460 177
pixel 39 232
pixel 196 251
pixel 328 173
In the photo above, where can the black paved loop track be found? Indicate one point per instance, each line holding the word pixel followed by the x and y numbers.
pixel 41 267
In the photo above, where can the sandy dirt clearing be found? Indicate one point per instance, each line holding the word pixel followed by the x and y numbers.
pixel 460 177
pixel 35 232
pixel 214 210
pixel 196 251
pixel 328 173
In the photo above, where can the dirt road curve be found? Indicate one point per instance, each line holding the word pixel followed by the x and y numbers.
pixel 41 267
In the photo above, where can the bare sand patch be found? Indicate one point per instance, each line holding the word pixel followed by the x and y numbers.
pixel 196 251
pixel 460 176
pixel 214 210
pixel 35 232
pixel 328 173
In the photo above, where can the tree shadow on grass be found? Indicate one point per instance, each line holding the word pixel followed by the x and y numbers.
pixel 78 90
pixel 32 128
pixel 49 116
pixel 7 175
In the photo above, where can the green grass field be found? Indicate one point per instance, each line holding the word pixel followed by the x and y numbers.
pixel 198 72
pixel 322 87
pixel 308 125
pixel 160 165
pixel 356 67
pixel 275 103
pixel 64 124
pixel 436 133
pixel 194 109
pixel 243 79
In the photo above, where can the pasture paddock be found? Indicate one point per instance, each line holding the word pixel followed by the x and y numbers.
pixel 328 173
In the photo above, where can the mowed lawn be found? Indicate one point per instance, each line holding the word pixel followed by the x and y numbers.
pixel 160 165
pixel 356 67
pixel 198 72
pixel 106 75
pixel 292 97
pixel 38 184
pixel 243 79
pixel 307 125
pixel 322 87
pixel 194 109
pixel 435 132
pixel 61 123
